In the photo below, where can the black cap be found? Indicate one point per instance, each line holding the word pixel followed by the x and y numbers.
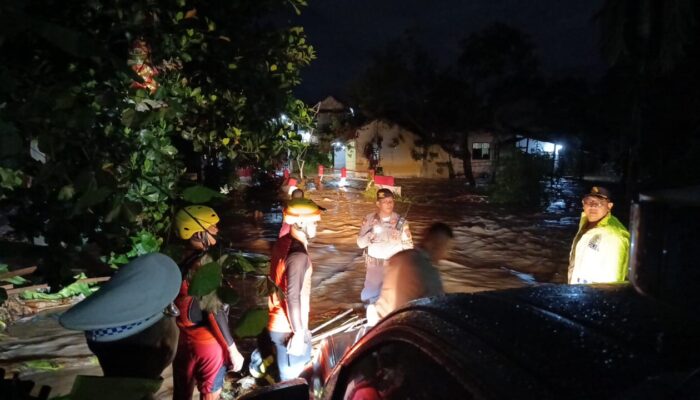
pixel 599 191
pixel 384 193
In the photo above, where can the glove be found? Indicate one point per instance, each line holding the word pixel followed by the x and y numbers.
pixel 236 357
pixel 296 346
pixel 372 315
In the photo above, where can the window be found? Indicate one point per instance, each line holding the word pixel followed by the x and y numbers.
pixel 399 370
pixel 481 151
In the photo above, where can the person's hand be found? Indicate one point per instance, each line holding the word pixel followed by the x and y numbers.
pixel 296 346
pixel 237 359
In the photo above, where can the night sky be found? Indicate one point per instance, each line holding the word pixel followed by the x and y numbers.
pixel 343 32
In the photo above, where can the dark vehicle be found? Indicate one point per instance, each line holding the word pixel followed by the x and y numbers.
pixel 546 342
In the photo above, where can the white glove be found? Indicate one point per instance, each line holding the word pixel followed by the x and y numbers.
pixel 372 315
pixel 296 346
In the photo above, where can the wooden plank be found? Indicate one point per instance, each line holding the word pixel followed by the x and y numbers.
pixel 94 280
pixel 18 272
pixel 7 287
pixel 22 289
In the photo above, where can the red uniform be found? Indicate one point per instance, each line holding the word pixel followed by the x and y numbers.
pixel 203 347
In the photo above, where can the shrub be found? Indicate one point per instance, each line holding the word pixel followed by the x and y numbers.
pixel 519 179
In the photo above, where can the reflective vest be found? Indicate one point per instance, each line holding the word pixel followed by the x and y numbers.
pixel 600 254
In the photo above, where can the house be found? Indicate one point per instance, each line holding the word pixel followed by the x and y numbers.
pixel 398 152
pixel 394 150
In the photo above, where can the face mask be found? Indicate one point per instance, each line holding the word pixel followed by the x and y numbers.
pixel 310 229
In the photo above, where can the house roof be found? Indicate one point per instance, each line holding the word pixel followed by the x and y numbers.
pixel 330 104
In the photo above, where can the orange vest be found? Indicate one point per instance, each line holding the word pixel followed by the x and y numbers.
pixel 278 320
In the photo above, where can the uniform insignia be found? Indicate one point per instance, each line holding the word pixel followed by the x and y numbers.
pixel 594 243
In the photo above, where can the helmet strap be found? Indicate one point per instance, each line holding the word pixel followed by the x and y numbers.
pixel 195 219
pixel 203 239
pixel 298 231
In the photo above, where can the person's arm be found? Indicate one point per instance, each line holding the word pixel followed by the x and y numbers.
pixel 389 293
pixel 364 238
pixel 406 238
pixel 297 264
pixel 218 323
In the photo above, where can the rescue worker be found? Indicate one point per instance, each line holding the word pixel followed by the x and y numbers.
pixel 130 326
pixel 290 272
pixel 600 251
pixel 296 194
pixel 411 274
pixel 206 348
pixel 383 233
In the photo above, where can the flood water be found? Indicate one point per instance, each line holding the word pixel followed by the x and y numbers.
pixel 495 248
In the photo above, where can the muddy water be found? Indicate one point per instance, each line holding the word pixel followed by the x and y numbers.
pixel 495 248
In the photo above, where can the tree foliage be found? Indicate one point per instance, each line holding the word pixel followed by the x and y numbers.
pixel 650 91
pixel 491 86
pixel 117 99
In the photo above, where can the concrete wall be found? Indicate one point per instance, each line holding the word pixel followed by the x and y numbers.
pixel 482 168
pixel 397 159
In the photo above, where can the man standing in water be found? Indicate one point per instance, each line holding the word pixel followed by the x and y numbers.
pixel 290 271
pixel 383 233
pixel 412 274
pixel 600 251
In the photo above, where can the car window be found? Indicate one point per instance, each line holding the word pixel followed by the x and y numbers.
pixel 398 370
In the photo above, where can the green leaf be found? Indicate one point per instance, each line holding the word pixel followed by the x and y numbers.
pixel 66 193
pixel 42 365
pixel 92 197
pixel 71 290
pixel 15 280
pixel 244 264
pixel 200 194
pixel 252 323
pixel 143 243
pixel 128 117
pixel 227 295
pixel 169 150
pixel 10 179
pixel 206 279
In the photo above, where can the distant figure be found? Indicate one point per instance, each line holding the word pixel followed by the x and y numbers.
pixel 290 289
pixel 130 326
pixel 411 274
pixel 383 233
pixel 297 194
pixel 206 350
pixel 600 251
pixel 290 186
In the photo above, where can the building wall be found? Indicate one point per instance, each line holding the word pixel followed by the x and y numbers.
pixel 483 168
pixel 397 153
